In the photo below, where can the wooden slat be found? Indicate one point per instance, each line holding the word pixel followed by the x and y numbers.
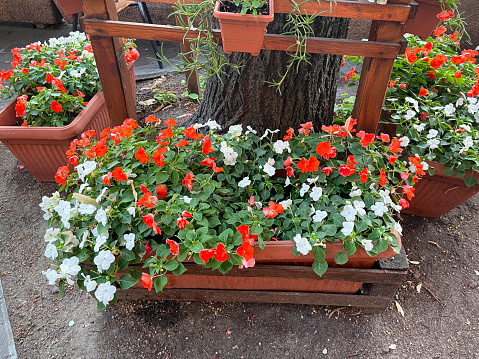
pixel 271 42
pixel 350 300
pixel 110 60
pixel 344 9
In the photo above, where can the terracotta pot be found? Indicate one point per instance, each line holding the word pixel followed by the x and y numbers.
pixel 243 33
pixel 42 149
pixel 438 194
pixel 273 272
pixel 425 21
pixel 70 7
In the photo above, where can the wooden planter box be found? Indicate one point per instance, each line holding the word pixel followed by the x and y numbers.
pixel 436 195
pixel 425 20
pixel 281 277
pixel 42 149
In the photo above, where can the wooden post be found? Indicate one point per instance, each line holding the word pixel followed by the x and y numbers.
pixel 192 79
pixel 375 76
pixel 111 64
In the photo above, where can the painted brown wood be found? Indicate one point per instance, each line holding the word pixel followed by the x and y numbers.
pixel 235 296
pixel 271 42
pixel 344 9
pixel 111 64
pixel 192 77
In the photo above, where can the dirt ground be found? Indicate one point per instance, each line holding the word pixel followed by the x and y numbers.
pixel 441 317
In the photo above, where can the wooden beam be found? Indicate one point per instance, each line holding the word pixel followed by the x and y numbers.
pixel 110 60
pixel 318 45
pixel 341 8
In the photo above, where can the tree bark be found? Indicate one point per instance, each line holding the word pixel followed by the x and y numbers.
pixel 306 95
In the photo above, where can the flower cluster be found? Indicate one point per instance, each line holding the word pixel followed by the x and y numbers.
pixel 166 195
pixel 54 81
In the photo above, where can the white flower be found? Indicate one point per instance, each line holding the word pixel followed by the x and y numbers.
pixel 302 244
pixel 52 276
pixel 433 143
pixel 64 210
pixel 312 180
pixel 348 228
pixel 229 154
pixel 379 208
pixel 52 235
pixel 84 208
pixel 254 132
pixel 269 167
pixel 397 227
pixel 359 207
pixel 419 128
pixel 70 266
pixel 395 206
pixel 404 141
pixel 449 109
pixel 410 114
pixel 280 146
pixel 316 193
pixel 432 133
pixel 304 189
pixel 349 213
pixel 414 102
pixel 105 292
pixel 213 125
pixel 459 102
pixel 468 142
pixel 99 241
pixel 287 182
pixel 268 131
pixel 245 182
pixel 367 244
pixel 466 127
pixel 385 196
pixel 103 260
pixel 102 193
pixel 286 203
pixel 186 199
pixel 84 238
pixel 319 216
pixel 51 251
pixel 85 169
pixel 130 241
pixel 131 211
pixel 48 204
pixel 236 130
pixel 101 216
pixel 355 192
pixel 89 284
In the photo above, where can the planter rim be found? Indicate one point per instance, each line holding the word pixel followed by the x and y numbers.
pixel 247 17
pixel 439 171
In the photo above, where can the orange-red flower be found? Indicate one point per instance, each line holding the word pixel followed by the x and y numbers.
pixel 207 146
pixel 61 175
pixel 147 199
pixel 382 177
pixel 325 150
pixel 437 61
pixel 273 210
pixel 220 253
pixel 366 138
pixel 152 118
pixel 409 191
pixel 107 178
pixel 289 135
pixel 207 254
pixel 245 251
pixel 146 281
pixel 174 247
pixel 170 123
pixel 188 181
pixel 439 31
pixel 141 155
pixel 364 175
pixel 159 156
pixel 423 92
pixel 161 190
pixel 55 106
pixel 308 166
pixel 445 15
pixel 119 175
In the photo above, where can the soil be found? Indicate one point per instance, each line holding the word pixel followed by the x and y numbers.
pixel 439 299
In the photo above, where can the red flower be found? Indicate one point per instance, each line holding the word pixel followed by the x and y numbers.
pixel 423 92
pixel 445 15
pixel 73 160
pixel 181 222
pixel 392 159
pixel 106 178
pixel 307 125
pixel 310 166
pixel 207 254
pixel 384 137
pixel 168 133
pixel 61 175
pixel 424 116
pixel 410 56
pixel 59 85
pixel 49 77
pixel 438 61
pixel 149 220
pixel 174 247
pixel 146 281
pixel 188 181
pixel 324 149
pixel 403 86
pixel 458 74
pixel 382 177
pixel 345 170
pixel 327 170
pixel 458 59
pixel 186 214
pixel 159 157
pixel 208 161
pixel 288 162
pixel 170 123
pixel 366 138
pixel 220 253
pixel 439 31
pixel 132 54
pixel 161 190
pixel 141 156
pixel 244 230
pixel 273 210
pixel 289 135
pixel 207 146
pixel 404 176
pixel 152 118
pixel 245 251
pixel 148 248
pixel 364 175
pixel 395 146
pixel 431 75
pixel 182 143
pixel 147 199
pixel 20 107
pixel 403 203
pixel 119 175
pixel 409 191
pixel 190 132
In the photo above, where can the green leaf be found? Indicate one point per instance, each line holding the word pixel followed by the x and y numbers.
pixel 136 274
pixel 175 177
pixel 126 281
pixel 431 170
pixel 197 248
pixel 460 174
pixel 470 181
pixel 127 255
pixel 179 270
pixel 320 267
pixel 61 286
pixel 319 254
pixel 100 306
pixel 170 265
pixel 160 283
pixel 341 258
pixel 329 229
pixel 225 267
pixel 350 247
pixel 161 177
pixel 122 264
pixel 449 171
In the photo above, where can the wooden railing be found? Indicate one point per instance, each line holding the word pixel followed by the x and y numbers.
pixel 384 44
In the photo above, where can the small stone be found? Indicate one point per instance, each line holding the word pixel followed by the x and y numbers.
pixel 392 346
pixel 325 351
pixel 70 323
pixel 385 349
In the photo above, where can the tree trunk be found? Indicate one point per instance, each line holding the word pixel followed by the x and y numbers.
pixel 306 95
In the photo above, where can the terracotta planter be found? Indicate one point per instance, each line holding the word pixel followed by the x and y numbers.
pixel 425 21
pixel 275 270
pixel 243 33
pixel 438 194
pixel 42 149
pixel 70 7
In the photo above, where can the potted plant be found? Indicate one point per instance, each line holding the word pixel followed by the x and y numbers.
pixel 56 86
pixel 143 202
pixel 433 102
pixel 243 24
